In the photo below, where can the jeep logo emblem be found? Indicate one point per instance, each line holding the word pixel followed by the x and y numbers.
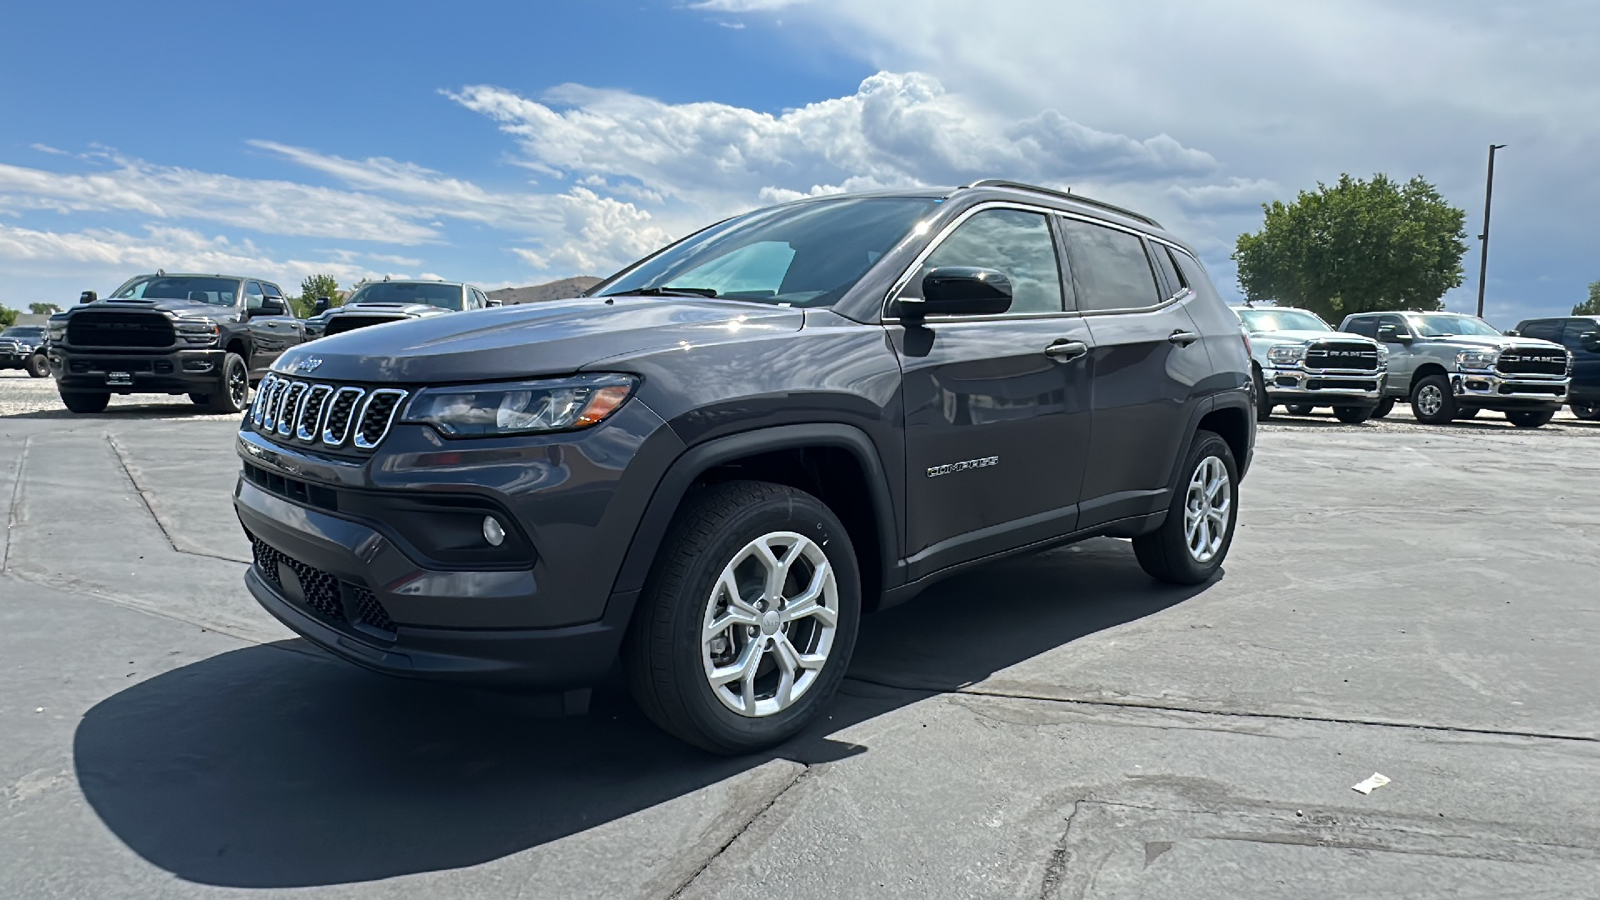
pixel 308 365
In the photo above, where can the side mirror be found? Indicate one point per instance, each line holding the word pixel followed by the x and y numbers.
pixel 1512 332
pixel 1391 335
pixel 88 297
pixel 1590 341
pixel 271 306
pixel 959 291
pixel 322 305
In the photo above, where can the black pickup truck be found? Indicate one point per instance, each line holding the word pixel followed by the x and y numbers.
pixel 208 336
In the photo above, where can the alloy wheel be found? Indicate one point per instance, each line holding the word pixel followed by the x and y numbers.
pixel 769 624
pixel 1430 400
pixel 1206 509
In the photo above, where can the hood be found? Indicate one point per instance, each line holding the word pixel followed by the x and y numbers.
pixel 512 342
pixel 389 309
pixel 176 307
pixel 1496 342
pixel 1303 337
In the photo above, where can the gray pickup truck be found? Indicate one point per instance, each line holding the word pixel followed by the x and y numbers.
pixel 1450 366
pixel 1299 361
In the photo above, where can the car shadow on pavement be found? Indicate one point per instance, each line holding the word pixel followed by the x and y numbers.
pixel 176 411
pixel 276 766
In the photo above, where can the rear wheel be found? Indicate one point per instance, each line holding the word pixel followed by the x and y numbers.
pixel 1191 544
pixel 1263 405
pixel 749 618
pixel 1431 401
pixel 1588 410
pixel 85 402
pixel 1352 415
pixel 1530 418
pixel 38 366
pixel 1384 407
pixel 1300 409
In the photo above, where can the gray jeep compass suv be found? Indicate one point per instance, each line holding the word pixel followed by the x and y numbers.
pixel 715 462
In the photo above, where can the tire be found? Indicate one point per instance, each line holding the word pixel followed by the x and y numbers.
pixel 1301 409
pixel 1263 405
pixel 1431 401
pixel 1468 413
pixel 1530 418
pixel 1587 410
pixel 1384 407
pixel 1352 415
pixel 1166 554
pixel 667 655
pixel 38 366
pixel 84 402
pixel 233 389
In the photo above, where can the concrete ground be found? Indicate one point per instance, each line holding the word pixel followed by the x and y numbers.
pixel 1419 602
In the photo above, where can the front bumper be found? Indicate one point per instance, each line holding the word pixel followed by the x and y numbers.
pixel 1323 387
pixel 175 372
pixel 1489 390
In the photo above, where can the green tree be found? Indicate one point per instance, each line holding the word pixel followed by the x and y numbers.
pixel 8 317
pixel 43 309
pixel 315 286
pixel 1591 307
pixel 1356 246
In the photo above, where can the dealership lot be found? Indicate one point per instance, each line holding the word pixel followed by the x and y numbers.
pixel 1411 600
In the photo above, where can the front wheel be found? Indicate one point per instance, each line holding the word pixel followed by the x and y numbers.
pixel 1352 415
pixel 1263 405
pixel 232 391
pixel 1530 418
pixel 85 402
pixel 1469 413
pixel 748 620
pixel 1587 410
pixel 1384 407
pixel 1301 409
pixel 38 366
pixel 1432 402
pixel 1191 544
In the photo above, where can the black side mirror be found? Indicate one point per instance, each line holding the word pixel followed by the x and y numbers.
pixel 88 297
pixel 1590 341
pixel 322 305
pixel 271 306
pixel 959 291
pixel 1392 335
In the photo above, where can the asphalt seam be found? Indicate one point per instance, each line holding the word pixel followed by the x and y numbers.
pixel 1200 711
pixel 144 498
pixel 754 817
pixel 16 498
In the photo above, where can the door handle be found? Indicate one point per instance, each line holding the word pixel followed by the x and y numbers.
pixel 1066 350
pixel 1182 338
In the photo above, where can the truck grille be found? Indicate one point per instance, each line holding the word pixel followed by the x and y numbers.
pixel 1532 362
pixel 340 603
pixel 1326 355
pixel 350 322
pixel 146 330
pixel 326 415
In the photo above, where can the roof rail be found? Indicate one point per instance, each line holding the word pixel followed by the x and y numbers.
pixel 1066 195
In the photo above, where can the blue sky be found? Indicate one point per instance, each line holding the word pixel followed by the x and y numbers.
pixel 512 143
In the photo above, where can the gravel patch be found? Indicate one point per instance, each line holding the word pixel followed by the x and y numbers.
pixel 36 398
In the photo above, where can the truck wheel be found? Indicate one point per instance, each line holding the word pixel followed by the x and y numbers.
pixel 233 393
pixel 1263 405
pixel 1432 402
pixel 748 620
pixel 1384 407
pixel 83 402
pixel 1194 539
pixel 1301 409
pixel 1587 410
pixel 38 366
pixel 1530 418
pixel 1352 415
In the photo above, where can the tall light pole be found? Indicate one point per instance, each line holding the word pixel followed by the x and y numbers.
pixel 1488 200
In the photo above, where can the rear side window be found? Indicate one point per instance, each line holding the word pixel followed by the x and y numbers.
pixel 1169 270
pixel 1367 327
pixel 1011 241
pixel 1110 268
pixel 1543 329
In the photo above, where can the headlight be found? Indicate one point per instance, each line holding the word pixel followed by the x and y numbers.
pixel 482 410
pixel 198 331
pixel 1477 359
pixel 1288 355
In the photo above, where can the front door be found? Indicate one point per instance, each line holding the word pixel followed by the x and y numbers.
pixel 270 335
pixel 1402 361
pixel 996 407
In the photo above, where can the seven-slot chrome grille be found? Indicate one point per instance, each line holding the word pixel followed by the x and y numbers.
pixel 328 415
pixel 1329 355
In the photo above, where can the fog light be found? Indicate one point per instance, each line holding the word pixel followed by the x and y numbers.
pixel 493 532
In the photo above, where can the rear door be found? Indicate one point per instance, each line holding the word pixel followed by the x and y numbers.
pixel 996 407
pixel 1147 363
pixel 1582 339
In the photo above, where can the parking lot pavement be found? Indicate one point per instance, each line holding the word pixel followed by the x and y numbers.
pixel 1413 601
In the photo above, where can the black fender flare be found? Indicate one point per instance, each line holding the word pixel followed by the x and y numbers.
pixel 696 460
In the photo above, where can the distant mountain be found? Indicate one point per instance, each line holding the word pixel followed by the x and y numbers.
pixel 555 290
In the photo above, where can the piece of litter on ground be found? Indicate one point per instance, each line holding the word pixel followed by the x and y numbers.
pixel 1371 784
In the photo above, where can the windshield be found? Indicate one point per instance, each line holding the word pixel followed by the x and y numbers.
pixel 23 331
pixel 1261 321
pixel 197 288
pixel 1443 325
pixel 444 296
pixel 804 254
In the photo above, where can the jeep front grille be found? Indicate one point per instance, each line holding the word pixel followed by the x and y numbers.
pixel 1330 355
pixel 1532 362
pixel 326 415
pixel 144 330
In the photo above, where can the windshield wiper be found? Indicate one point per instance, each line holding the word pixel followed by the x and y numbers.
pixel 666 292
